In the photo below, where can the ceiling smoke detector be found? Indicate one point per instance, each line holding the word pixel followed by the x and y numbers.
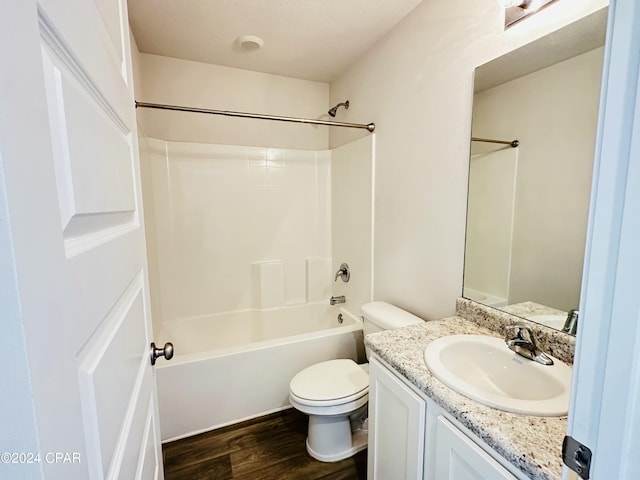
pixel 249 42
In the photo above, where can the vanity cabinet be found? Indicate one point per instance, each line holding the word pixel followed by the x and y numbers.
pixel 396 427
pixel 460 458
pixel 411 437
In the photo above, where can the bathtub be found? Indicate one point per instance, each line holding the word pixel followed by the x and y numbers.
pixel 236 366
pixel 482 297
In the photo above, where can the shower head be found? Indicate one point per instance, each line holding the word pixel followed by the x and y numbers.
pixel 334 110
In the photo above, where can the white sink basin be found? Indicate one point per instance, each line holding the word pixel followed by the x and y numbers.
pixel 484 369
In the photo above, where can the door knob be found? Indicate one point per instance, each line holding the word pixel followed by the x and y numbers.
pixel 166 352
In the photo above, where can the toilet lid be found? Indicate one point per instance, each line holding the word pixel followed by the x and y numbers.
pixel 330 380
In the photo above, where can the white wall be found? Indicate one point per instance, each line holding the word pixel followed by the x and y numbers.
pixel 416 85
pixel 553 113
pixel 352 171
pixel 181 82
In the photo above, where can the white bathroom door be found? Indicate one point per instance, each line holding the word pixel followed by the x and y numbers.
pixel 605 407
pixel 69 164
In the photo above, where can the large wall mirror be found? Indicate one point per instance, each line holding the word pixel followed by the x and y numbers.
pixel 528 205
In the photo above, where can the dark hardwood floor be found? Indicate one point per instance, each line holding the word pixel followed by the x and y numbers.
pixel 270 447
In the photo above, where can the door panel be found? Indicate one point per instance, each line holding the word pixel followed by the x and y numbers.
pixel 111 12
pixel 92 151
pixel 112 361
pixel 140 457
pixel 149 462
pixel 68 150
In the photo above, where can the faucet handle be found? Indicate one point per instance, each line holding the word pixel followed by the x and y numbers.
pixel 523 343
pixel 343 273
pixel 519 333
pixel 571 323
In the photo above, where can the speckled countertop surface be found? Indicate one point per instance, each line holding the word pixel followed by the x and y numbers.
pixel 531 309
pixel 532 444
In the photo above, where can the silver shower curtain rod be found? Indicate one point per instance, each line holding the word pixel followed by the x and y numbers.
pixel 370 127
pixel 513 143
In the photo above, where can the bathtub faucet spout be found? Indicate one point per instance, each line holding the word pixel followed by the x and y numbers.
pixel 336 300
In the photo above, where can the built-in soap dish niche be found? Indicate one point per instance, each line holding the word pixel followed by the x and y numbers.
pixel 270 289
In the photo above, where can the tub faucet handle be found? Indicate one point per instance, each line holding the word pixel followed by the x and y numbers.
pixel 343 273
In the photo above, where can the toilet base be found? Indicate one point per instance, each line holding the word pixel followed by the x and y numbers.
pixel 336 437
pixel 359 440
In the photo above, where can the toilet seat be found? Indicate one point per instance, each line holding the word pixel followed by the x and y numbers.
pixel 334 383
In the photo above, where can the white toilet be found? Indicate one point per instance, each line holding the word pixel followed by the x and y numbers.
pixel 335 393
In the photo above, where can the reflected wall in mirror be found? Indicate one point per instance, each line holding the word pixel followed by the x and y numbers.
pixel 528 206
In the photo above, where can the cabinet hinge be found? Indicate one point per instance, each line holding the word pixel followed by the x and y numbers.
pixel 576 456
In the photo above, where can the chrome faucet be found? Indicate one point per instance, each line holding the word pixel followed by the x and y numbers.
pixel 336 300
pixel 519 338
pixel 571 323
pixel 343 273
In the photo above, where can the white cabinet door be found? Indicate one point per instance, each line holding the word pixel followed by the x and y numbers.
pixel 396 427
pixel 70 178
pixel 459 458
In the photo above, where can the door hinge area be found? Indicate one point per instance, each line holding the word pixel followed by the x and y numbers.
pixel 576 456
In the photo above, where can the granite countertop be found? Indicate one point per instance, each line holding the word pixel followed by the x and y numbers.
pixel 532 309
pixel 532 444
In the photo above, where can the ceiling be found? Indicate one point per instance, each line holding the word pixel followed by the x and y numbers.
pixel 307 39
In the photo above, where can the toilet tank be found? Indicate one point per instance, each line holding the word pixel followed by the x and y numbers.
pixel 379 316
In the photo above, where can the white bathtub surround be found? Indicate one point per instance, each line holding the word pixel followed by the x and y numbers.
pixel 268 284
pixel 230 218
pixel 318 274
pixel 144 147
pixel 490 218
pixel 230 368
pixel 352 214
pixel 243 241
pixel 234 228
